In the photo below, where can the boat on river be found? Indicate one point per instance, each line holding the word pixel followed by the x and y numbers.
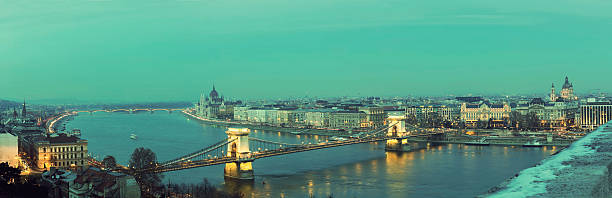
pixel 133 136
pixel 533 143
pixel 336 138
pixel 482 142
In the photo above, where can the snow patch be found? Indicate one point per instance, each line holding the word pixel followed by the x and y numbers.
pixel 532 181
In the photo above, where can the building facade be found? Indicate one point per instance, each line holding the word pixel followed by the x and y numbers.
pixel 60 151
pixel 566 95
pixel 317 118
pixel 348 120
pixel 594 114
pixel 213 106
pixel 447 113
pixel 472 113
pixel 551 114
pixel 241 113
pixel 375 116
pixel 9 149
pixel 94 182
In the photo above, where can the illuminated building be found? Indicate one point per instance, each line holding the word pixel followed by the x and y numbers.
pixel 551 114
pixel 241 113
pixel 472 113
pixel 9 149
pixel 348 120
pixel 567 92
pixel 423 112
pixel 317 117
pixel 594 113
pixel 375 116
pixel 214 106
pixel 94 182
pixel 59 150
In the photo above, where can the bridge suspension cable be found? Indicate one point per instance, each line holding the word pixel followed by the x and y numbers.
pixel 201 153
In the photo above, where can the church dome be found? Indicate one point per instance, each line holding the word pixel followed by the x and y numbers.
pixel 567 84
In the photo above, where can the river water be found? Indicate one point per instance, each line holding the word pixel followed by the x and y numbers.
pixel 363 170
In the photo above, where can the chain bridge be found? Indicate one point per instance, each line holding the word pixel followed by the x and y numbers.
pixel 238 150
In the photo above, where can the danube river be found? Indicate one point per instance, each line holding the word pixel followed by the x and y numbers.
pixel 363 170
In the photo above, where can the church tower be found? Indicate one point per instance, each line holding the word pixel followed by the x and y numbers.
pixel 553 95
pixel 23 111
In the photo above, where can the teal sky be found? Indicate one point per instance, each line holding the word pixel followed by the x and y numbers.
pixel 159 50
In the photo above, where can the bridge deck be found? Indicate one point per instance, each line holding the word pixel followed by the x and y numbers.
pixel 259 155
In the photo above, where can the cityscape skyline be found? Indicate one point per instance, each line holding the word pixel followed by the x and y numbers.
pixel 594 92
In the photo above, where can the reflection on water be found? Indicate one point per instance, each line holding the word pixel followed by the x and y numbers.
pixel 363 170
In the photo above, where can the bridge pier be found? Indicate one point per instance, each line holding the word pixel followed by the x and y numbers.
pixel 238 148
pixel 398 144
pixel 396 133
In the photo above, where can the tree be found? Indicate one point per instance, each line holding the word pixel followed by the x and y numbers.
pixel 144 158
pixel 8 174
pixel 109 162
pixel 515 120
pixel 533 121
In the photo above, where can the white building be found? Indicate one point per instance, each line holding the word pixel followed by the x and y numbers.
pixel 241 113
pixel 256 115
pixel 272 116
pixel 593 114
pixel 9 149
pixel 317 118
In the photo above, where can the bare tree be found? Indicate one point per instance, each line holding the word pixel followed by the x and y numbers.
pixel 144 158
pixel 109 162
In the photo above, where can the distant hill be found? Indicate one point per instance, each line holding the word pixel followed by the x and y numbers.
pixel 7 104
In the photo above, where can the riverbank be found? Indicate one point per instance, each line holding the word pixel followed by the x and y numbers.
pixel 295 131
pixel 51 125
pixel 500 141
pixel 582 170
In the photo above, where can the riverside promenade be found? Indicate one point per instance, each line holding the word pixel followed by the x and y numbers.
pixel 584 169
pixel 297 131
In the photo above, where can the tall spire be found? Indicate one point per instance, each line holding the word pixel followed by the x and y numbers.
pixel 23 111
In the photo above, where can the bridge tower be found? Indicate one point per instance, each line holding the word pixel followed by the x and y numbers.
pixel 397 134
pixel 239 148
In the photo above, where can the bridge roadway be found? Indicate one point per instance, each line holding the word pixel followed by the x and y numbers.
pixel 259 154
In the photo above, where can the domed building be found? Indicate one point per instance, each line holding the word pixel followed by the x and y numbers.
pixel 211 105
pixel 567 93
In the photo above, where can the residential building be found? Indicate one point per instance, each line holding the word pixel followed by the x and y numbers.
pixel 317 117
pixel 94 182
pixel 241 113
pixel 271 116
pixel 422 112
pixel 348 120
pixel 256 115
